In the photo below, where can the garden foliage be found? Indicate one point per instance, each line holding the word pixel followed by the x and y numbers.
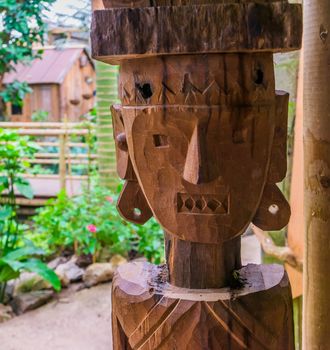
pixel 22 26
pixel 16 252
pixel 90 224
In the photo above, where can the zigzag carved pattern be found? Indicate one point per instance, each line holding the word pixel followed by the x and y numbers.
pixel 167 94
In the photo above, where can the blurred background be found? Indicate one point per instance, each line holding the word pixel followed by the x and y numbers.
pixel 61 237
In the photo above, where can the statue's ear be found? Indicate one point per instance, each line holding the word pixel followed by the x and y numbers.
pixel 278 160
pixel 132 204
pixel 124 165
pixel 274 210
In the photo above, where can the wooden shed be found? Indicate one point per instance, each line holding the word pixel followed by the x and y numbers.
pixel 63 84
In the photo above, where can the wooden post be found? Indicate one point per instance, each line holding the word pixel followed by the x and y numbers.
pixel 201 143
pixel 62 161
pixel 97 5
pixel 316 316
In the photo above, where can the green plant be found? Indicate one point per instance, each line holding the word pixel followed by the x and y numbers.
pixel 90 224
pixel 22 26
pixel 15 92
pixel 16 252
pixel 39 116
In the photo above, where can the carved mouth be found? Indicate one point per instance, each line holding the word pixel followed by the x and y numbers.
pixel 203 204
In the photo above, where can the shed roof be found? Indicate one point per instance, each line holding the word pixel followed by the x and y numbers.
pixel 50 69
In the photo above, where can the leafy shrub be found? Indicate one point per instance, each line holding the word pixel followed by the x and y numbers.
pixel 40 116
pixel 16 252
pixel 90 223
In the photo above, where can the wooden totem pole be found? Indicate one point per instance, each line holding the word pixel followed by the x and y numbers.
pixel 201 144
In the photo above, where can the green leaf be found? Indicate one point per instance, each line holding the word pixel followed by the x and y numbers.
pixel 19 254
pixel 37 266
pixel 25 189
pixel 7 273
pixel 5 213
pixel 4 181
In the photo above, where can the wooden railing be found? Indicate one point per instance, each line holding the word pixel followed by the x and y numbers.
pixel 71 143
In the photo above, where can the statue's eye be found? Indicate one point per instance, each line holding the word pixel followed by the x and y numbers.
pixel 241 135
pixel 258 76
pixel 160 140
pixel 145 90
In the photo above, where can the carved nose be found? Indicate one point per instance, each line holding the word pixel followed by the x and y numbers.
pixel 197 167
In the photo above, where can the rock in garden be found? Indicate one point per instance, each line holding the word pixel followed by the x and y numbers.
pixel 117 260
pixel 69 272
pixel 56 262
pixel 6 313
pixel 28 282
pixel 30 301
pixel 98 273
pixel 84 260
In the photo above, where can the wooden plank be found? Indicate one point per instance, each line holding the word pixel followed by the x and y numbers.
pixel 54 176
pixel 71 155
pixel 50 132
pixel 57 161
pixel 210 28
pixel 42 125
pixel 151 3
pixel 69 144
pixel 296 225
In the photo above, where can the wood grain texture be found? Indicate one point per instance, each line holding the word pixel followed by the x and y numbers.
pixel 200 140
pixel 149 314
pixel 152 3
pixel 132 204
pixel 200 266
pixel 123 33
pixel 316 136
pixel 190 123
pixel 278 161
pixel 214 79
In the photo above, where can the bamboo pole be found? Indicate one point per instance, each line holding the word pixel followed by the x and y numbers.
pixel 107 81
pixel 316 317
pixel 62 161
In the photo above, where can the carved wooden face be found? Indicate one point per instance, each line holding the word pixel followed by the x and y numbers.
pixel 202 168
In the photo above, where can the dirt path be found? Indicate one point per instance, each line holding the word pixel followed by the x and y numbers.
pixel 80 322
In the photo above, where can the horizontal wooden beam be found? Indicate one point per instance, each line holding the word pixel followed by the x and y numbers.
pixel 210 28
pixel 52 132
pixel 55 177
pixel 57 161
pixel 151 3
pixel 69 144
pixel 43 125
pixel 70 156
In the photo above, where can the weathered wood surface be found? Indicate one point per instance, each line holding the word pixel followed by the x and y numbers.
pixel 201 139
pixel 200 266
pixel 152 3
pixel 316 136
pixel 296 226
pixel 149 314
pixel 187 124
pixel 127 33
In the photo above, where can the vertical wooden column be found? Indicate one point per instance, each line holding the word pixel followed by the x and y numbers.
pixel 62 160
pixel 316 314
pixel 201 143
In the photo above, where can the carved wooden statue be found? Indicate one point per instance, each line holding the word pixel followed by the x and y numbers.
pixel 201 144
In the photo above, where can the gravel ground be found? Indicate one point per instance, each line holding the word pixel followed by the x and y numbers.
pixel 80 321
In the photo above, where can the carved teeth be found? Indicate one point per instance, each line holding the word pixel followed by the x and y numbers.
pixel 203 204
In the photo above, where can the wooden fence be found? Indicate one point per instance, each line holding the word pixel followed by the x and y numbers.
pixel 62 147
